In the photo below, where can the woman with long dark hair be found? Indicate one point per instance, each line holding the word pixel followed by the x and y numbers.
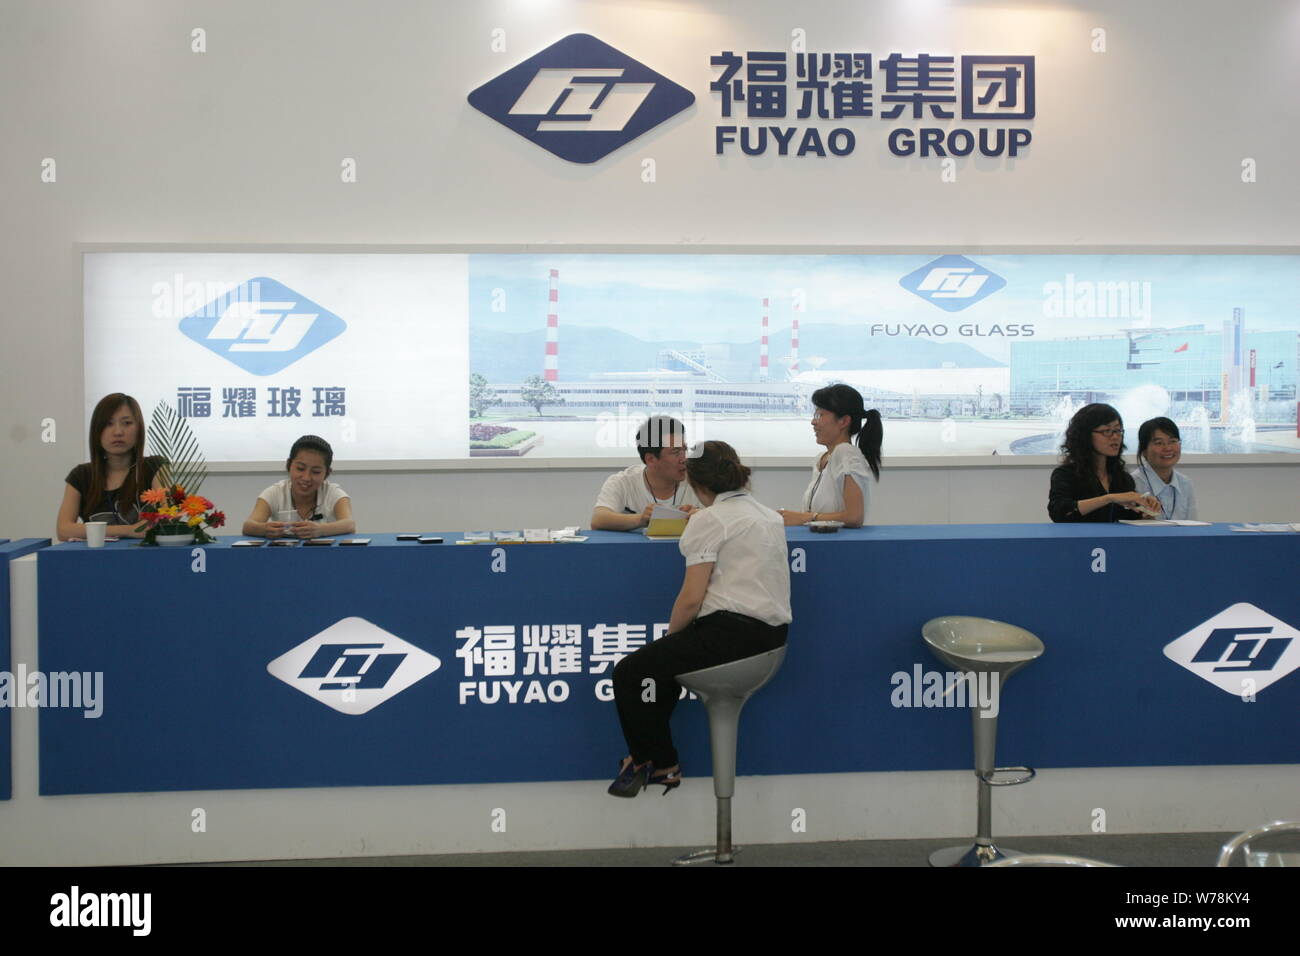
pixel 734 603
pixel 1091 484
pixel 840 487
pixel 1160 448
pixel 108 487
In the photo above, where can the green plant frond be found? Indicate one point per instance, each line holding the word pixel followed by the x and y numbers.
pixel 171 438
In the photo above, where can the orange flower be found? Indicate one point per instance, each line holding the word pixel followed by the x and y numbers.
pixel 195 505
pixel 154 496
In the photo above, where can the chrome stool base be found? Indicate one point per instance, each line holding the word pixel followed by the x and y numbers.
pixel 722 851
pixel 710 855
pixel 975 855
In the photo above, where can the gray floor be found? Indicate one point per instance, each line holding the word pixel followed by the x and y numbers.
pixel 1154 849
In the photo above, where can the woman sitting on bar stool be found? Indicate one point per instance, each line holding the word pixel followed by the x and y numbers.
pixel 734 603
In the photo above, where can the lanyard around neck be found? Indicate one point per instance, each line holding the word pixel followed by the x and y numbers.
pixel 317 512
pixel 655 498
pixel 1170 485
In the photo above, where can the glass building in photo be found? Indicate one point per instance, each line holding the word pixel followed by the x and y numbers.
pixel 1191 363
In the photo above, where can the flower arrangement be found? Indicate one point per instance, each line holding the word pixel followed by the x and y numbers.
pixel 171 511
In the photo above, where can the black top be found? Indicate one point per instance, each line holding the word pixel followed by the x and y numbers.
pixel 79 478
pixel 1069 488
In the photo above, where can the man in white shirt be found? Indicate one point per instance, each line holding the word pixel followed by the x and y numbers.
pixel 627 498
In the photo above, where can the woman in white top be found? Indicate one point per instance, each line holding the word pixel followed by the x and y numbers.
pixel 1160 448
pixel 734 603
pixel 840 488
pixel 304 505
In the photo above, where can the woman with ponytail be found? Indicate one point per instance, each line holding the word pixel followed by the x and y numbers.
pixel 840 489
pixel 734 603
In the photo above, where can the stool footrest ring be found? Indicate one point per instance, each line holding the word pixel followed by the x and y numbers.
pixel 1025 775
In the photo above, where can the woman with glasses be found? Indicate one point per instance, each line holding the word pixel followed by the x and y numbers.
pixel 1159 449
pixel 1091 484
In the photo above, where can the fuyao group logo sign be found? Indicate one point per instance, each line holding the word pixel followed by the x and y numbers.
pixel 952 283
pixel 1241 650
pixel 581 99
pixel 262 326
pixel 353 666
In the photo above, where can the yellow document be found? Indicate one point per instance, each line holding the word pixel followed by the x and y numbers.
pixel 666 522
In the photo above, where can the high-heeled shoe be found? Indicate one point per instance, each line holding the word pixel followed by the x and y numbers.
pixel 668 779
pixel 630 779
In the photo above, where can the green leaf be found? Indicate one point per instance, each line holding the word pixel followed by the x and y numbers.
pixel 171 438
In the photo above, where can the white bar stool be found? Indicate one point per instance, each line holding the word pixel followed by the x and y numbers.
pixel 975 645
pixel 724 690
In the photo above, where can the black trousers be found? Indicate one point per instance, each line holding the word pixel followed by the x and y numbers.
pixel 644 710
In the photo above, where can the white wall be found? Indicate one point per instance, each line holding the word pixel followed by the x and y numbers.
pixel 1135 149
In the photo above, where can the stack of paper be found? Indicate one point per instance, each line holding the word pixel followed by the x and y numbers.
pixel 1164 522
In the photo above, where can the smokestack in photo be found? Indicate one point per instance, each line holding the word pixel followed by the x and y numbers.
pixel 552 366
pixel 762 348
pixel 794 340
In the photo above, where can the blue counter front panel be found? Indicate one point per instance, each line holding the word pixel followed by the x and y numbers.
pixel 9 550
pixel 189 704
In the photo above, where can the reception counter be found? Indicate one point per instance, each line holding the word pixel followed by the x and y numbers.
pixel 503 654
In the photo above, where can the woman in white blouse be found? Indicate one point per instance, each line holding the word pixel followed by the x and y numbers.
pixel 840 487
pixel 305 504
pixel 734 603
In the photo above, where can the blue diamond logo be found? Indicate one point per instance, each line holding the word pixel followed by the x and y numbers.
pixel 952 283
pixel 581 99
pixel 262 326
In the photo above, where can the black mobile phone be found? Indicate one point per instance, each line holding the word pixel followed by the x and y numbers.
pixel 355 542
pixel 318 542
pixel 430 540
pixel 283 543
pixel 248 544
pixel 408 537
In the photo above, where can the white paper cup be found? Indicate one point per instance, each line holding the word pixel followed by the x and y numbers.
pixel 288 517
pixel 95 531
